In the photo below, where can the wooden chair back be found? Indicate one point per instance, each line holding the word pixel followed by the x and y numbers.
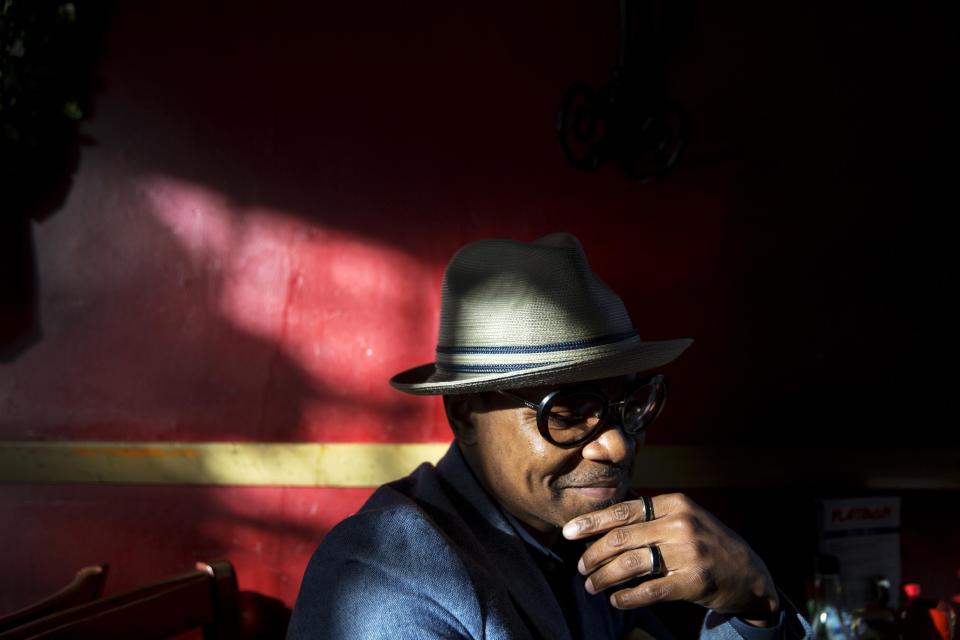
pixel 205 598
pixel 87 585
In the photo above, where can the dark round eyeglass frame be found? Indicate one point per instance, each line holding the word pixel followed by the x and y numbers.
pixel 543 408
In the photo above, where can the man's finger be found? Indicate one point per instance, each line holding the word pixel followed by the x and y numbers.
pixel 670 587
pixel 618 515
pixel 622 539
pixel 635 563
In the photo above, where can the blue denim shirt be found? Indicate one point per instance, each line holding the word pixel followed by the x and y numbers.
pixel 433 556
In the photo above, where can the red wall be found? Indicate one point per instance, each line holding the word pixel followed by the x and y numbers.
pixel 255 243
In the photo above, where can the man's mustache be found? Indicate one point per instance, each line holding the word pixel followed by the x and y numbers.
pixel 596 476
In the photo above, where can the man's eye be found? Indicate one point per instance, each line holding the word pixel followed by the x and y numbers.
pixel 567 420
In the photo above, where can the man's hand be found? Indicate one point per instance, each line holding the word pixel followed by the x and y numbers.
pixel 703 561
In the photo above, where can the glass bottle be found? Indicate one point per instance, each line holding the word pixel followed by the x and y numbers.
pixel 831 619
pixel 876 620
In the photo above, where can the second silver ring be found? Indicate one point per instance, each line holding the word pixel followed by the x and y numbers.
pixel 656 561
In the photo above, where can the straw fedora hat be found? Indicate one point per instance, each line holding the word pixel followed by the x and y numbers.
pixel 516 314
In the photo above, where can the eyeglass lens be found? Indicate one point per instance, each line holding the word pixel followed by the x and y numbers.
pixel 574 416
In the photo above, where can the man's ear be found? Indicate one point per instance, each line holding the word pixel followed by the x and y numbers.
pixel 460 415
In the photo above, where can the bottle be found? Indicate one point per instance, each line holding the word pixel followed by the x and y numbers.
pixel 831 619
pixel 876 620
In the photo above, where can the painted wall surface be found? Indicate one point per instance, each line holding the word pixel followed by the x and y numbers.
pixel 255 243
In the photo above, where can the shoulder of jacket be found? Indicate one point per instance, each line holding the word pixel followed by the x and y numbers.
pixel 392 528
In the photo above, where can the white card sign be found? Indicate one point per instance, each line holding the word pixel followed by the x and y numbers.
pixel 864 534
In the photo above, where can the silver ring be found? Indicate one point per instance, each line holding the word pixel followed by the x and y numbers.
pixel 656 561
pixel 647 508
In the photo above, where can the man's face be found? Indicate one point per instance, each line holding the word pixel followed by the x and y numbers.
pixel 540 483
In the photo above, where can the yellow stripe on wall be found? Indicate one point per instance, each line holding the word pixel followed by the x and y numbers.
pixel 213 463
pixel 369 465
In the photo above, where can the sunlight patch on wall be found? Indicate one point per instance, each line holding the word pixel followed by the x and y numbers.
pixel 347 310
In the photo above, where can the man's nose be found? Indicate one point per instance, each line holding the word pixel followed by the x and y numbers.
pixel 611 445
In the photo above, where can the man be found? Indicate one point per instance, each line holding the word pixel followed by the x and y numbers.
pixel 526 528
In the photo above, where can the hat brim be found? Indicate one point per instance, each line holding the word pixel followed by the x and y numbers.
pixel 427 379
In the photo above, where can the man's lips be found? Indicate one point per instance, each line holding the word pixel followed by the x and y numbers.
pixel 598 489
pixel 609 484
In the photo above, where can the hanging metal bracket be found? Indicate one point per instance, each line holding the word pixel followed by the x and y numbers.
pixel 629 121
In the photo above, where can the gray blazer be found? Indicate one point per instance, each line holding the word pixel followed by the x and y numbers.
pixel 432 556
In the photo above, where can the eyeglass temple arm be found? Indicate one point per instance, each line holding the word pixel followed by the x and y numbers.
pixel 529 404
pixel 535 406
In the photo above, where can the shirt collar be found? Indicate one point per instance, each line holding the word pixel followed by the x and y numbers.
pixel 528 538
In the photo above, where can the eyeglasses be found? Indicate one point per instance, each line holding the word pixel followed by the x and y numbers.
pixel 571 416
